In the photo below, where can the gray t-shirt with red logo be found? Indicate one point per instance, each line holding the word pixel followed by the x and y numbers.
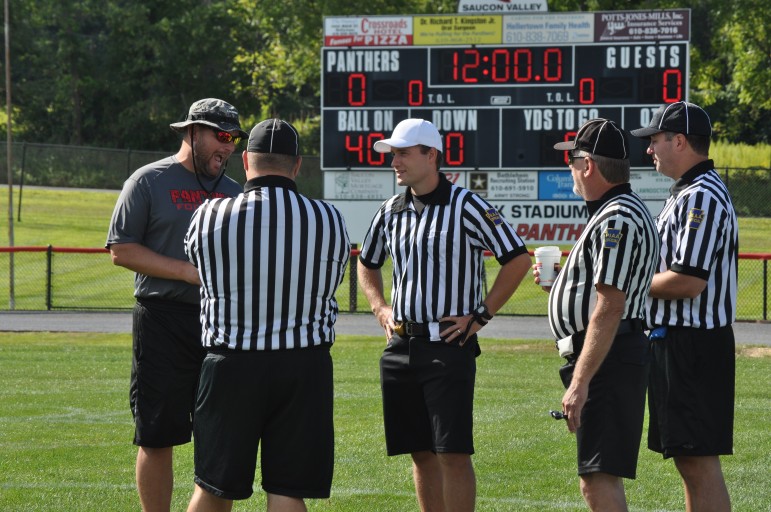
pixel 154 209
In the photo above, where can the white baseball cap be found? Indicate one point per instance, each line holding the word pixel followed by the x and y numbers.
pixel 411 132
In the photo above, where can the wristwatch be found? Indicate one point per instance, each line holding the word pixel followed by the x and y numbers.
pixel 482 314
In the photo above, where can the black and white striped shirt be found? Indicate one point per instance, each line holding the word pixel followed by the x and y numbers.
pixel 699 237
pixel 270 261
pixel 437 254
pixel 619 247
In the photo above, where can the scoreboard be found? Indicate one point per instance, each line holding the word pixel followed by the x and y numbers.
pixel 501 88
pixel 503 105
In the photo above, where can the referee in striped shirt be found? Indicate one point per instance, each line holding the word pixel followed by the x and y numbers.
pixel 270 261
pixel 435 233
pixel 596 311
pixel 692 306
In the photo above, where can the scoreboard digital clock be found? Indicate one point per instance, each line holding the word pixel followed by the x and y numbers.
pixel 499 105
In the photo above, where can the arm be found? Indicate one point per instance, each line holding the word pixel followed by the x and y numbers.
pixel 599 338
pixel 693 246
pixel 139 258
pixel 371 282
pixel 670 285
pixel 507 281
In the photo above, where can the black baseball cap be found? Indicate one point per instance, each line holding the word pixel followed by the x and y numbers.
pixel 274 136
pixel 599 137
pixel 681 117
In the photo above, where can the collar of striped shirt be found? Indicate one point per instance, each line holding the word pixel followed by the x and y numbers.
pixel 270 181
pixel 593 206
pixel 690 176
pixel 440 195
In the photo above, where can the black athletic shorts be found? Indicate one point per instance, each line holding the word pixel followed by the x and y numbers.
pixel 278 400
pixel 691 399
pixel 164 371
pixel 428 395
pixel 609 437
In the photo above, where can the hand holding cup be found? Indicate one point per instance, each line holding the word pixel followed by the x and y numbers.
pixel 547 260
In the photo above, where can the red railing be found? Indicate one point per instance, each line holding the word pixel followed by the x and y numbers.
pixel 353 284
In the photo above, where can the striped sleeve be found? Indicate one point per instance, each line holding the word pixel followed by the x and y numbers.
pixel 374 250
pixel 702 221
pixel 489 230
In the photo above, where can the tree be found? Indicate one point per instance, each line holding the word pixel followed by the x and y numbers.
pixel 732 68
pixel 115 73
pixel 280 64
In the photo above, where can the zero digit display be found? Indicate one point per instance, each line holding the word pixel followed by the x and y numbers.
pixel 498 105
pixel 503 66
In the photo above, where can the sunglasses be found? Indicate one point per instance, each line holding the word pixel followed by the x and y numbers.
pixel 572 158
pixel 225 137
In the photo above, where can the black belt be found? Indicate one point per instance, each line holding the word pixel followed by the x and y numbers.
pixel 624 327
pixel 418 329
pixel 219 349
pixel 630 325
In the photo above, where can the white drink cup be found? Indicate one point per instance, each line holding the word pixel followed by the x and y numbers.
pixel 545 259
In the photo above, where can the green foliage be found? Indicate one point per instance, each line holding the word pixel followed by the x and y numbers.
pixel 740 156
pixel 67 433
pixel 732 67
pixel 115 73
pixel 277 74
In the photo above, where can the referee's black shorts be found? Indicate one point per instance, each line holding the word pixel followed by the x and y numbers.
pixel 278 400
pixel 167 356
pixel 691 398
pixel 428 395
pixel 612 420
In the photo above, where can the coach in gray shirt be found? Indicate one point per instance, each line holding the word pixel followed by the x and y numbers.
pixel 146 235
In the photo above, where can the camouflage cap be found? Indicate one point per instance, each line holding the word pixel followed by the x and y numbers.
pixel 212 112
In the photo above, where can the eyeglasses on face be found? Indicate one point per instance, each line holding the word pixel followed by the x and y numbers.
pixel 572 158
pixel 225 137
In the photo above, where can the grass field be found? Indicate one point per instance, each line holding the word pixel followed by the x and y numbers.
pixel 80 218
pixel 66 433
pixel 65 427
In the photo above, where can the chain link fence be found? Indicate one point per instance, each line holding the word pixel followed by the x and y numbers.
pixel 54 165
pixel 55 278
pixel 49 278
pixel 104 168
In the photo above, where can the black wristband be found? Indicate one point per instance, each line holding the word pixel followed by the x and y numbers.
pixel 481 314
